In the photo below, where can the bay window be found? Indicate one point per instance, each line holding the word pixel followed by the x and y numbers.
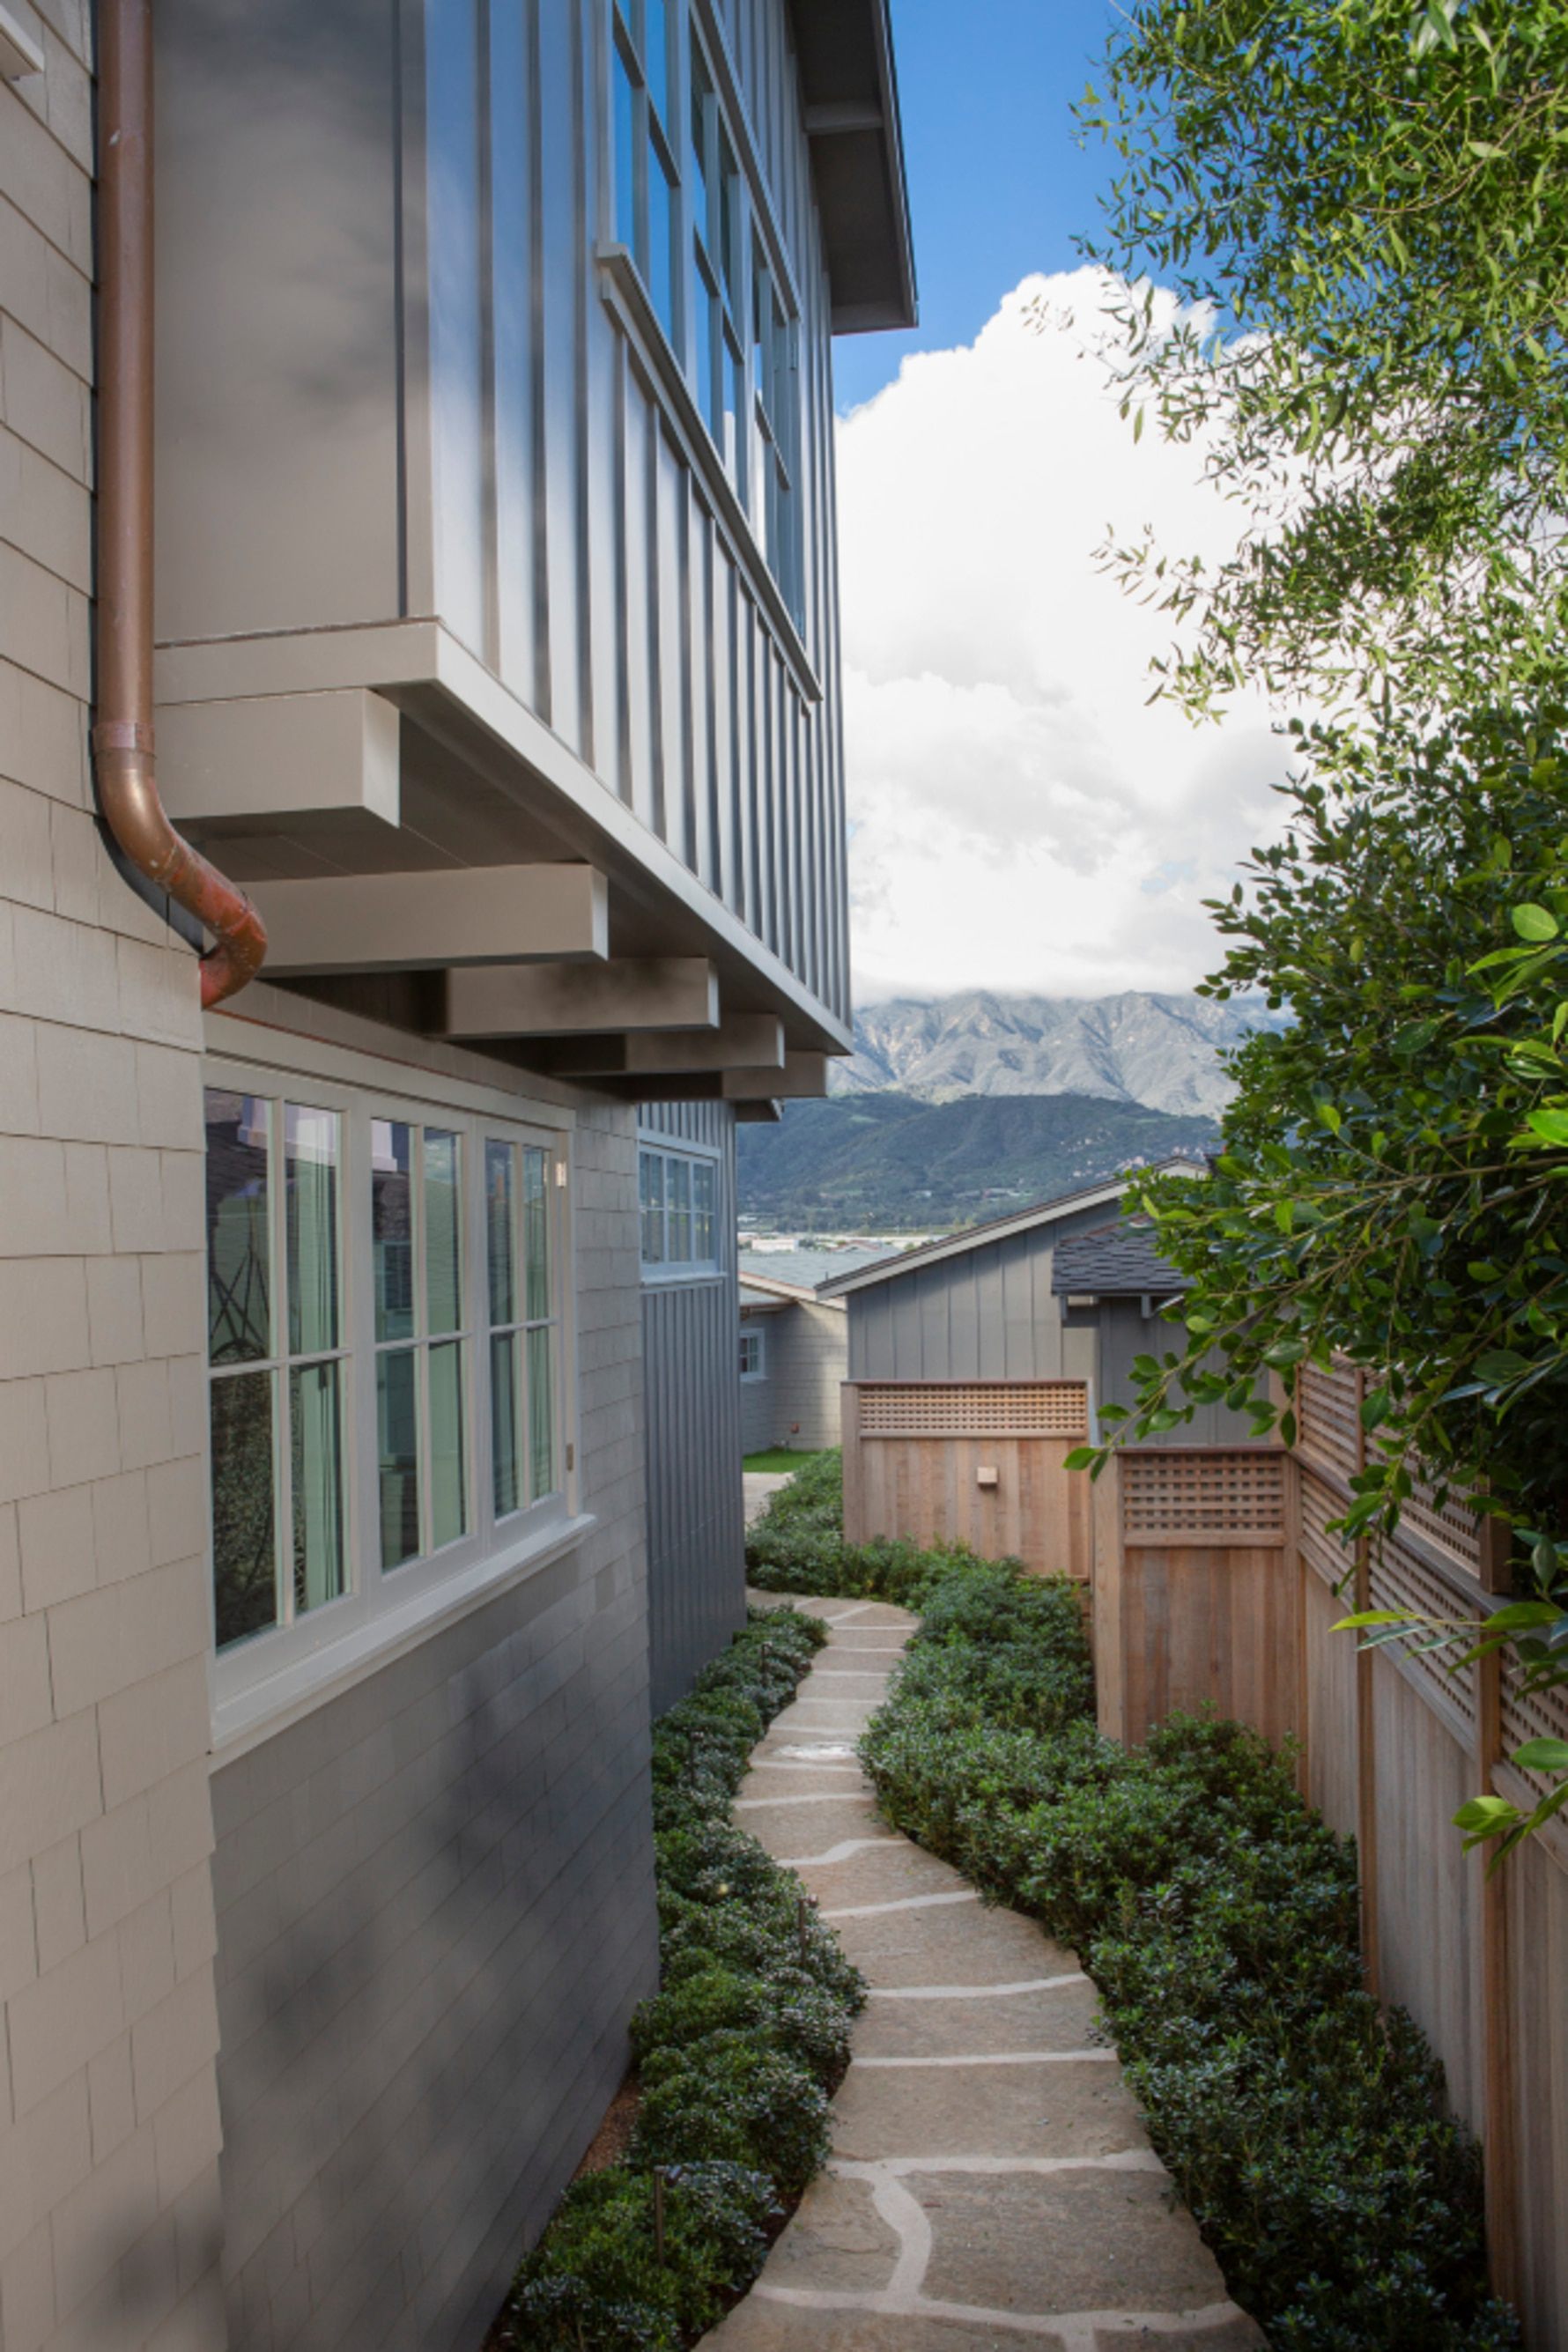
pixel 385 1353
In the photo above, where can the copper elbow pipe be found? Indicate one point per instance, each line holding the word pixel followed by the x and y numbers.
pixel 122 737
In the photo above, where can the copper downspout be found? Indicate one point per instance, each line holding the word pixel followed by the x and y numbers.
pixel 122 737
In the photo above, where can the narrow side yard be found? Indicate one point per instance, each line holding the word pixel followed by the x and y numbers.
pixel 990 2180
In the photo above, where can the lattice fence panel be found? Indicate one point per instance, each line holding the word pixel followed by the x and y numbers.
pixel 1397 1580
pixel 1329 1428
pixel 1533 1715
pixel 1183 1492
pixel 974 1409
pixel 1456 1528
pixel 1323 1552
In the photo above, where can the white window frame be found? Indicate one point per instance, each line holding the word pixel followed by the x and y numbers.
pixel 277 1673
pixel 753 1334
pixel 692 1157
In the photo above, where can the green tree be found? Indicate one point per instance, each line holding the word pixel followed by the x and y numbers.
pixel 1394 1185
pixel 1363 207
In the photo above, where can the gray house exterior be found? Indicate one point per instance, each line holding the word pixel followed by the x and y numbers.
pixel 794 1356
pixel 1065 1290
pixel 352 1516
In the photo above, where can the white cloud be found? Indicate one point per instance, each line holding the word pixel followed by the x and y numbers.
pixel 1021 818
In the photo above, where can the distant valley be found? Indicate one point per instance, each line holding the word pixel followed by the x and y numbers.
pixel 959 1108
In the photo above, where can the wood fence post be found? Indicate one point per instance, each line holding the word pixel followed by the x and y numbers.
pixel 1298 1570
pixel 853 1469
pixel 1110 1636
pixel 1500 2136
pixel 1366 1738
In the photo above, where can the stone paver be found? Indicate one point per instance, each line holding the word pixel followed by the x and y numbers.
pixel 758 1486
pixel 990 2185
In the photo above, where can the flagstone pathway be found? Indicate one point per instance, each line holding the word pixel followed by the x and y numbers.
pixel 990 2184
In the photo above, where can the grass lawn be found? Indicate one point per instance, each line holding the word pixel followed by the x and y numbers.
pixel 782 1457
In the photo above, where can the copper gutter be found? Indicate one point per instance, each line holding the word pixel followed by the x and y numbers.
pixel 122 737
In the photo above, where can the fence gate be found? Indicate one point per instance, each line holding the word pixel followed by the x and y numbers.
pixel 975 1462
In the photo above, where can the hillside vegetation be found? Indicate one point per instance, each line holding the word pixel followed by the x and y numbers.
pixel 888 1161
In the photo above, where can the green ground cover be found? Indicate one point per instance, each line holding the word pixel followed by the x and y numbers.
pixel 737 2053
pixel 781 1457
pixel 1216 1912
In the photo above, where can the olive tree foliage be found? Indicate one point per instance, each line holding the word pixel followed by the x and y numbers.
pixel 1362 208
pixel 1360 205
pixel 1394 1181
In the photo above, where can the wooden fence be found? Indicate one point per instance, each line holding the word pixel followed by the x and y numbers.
pixel 975 1462
pixel 1216 1576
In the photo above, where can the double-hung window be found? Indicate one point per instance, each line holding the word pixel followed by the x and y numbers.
pixel 524 1324
pixel 275 1345
pixel 718 282
pixel 423 1351
pixel 775 432
pixel 754 1363
pixel 647 177
pixel 386 1353
pixel 680 189
pixel 679 1192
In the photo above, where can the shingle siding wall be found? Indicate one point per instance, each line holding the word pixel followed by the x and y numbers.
pixel 805 1360
pixel 108 2121
pixel 436 1909
pixel 697 1575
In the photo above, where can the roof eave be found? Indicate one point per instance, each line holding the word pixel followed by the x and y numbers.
pixel 850 92
pixel 999 1229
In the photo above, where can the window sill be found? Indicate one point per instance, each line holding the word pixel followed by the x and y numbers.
pixel 656 1277
pixel 244 1719
pixel 627 298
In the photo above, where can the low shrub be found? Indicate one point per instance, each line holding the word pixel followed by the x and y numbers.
pixel 737 2053
pixel 1217 1915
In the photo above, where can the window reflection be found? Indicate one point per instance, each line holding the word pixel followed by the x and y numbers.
pixel 238 1239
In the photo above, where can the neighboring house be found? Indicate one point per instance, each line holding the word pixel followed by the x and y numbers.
pixel 686 1181
pixel 977 1363
pixel 497 658
pixel 793 1357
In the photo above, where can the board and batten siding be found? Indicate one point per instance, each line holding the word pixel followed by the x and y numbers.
pixel 986 1314
pixel 990 1313
pixel 696 1570
pixel 402 375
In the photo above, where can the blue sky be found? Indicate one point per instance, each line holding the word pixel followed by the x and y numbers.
pixel 996 183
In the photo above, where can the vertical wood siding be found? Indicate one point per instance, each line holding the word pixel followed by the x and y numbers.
pixel 430 273
pixel 695 1563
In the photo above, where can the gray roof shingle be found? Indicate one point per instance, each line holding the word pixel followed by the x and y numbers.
pixel 1118 1260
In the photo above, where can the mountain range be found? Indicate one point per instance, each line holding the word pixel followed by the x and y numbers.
pixel 958 1107
pixel 1161 1052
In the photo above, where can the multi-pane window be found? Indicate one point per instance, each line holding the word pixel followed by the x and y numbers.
pixel 752 1367
pixel 422 1356
pixel 647 176
pixel 681 188
pixel 776 431
pixel 524 1324
pixel 384 1308
pixel 717 273
pixel 274 1340
pixel 679 1196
